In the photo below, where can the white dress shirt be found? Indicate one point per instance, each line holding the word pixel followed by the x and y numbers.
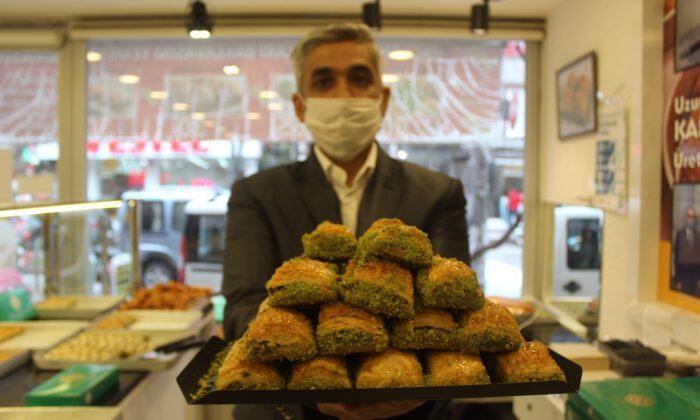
pixel 348 196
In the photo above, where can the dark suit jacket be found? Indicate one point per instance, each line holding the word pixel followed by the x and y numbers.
pixel 270 211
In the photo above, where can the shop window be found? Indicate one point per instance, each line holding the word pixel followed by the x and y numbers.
pixel 28 154
pixel 182 112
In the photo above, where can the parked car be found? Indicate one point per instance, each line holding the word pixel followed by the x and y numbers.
pixel 162 220
pixel 204 241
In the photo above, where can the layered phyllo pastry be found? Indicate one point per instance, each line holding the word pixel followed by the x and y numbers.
pixel 236 372
pixel 321 372
pixel 279 333
pixel 449 284
pixel 428 329
pixel 450 368
pixel 390 239
pixel 329 242
pixel 391 368
pixel 490 328
pixel 381 287
pixel 345 329
pixel 302 281
pixel 531 362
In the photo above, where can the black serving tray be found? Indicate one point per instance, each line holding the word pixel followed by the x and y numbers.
pixel 188 379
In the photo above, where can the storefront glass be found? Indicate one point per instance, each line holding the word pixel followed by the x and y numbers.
pixel 28 154
pixel 192 113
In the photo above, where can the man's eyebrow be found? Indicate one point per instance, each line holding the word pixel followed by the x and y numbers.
pixel 321 71
pixel 360 67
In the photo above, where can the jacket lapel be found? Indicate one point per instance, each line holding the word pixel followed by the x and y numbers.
pixel 382 193
pixel 316 193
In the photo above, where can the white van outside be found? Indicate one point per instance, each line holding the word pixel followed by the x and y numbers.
pixel 577 251
pixel 204 241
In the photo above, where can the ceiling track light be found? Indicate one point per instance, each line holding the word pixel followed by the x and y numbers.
pixel 199 25
pixel 480 18
pixel 371 15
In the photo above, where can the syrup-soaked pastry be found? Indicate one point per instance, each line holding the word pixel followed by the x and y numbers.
pixel 321 372
pixel 279 333
pixel 381 287
pixel 531 362
pixel 329 242
pixel 490 328
pixel 344 329
pixel 390 369
pixel 392 240
pixel 302 281
pixel 429 329
pixel 240 374
pixel 449 284
pixel 450 368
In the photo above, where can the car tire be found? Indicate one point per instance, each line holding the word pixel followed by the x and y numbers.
pixel 157 271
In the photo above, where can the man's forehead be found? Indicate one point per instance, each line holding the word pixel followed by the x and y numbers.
pixel 339 56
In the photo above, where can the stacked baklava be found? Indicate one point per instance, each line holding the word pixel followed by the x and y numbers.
pixel 381 311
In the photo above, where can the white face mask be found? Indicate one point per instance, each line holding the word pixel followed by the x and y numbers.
pixel 343 127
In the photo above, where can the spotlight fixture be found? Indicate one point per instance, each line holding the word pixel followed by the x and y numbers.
pixel 480 18
pixel 199 24
pixel 371 15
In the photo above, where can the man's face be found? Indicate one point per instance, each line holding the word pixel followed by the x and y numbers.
pixel 340 70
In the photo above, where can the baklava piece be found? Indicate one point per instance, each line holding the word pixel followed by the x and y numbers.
pixel 56 302
pixel 115 320
pixel 9 331
pixel 449 284
pixel 302 281
pixel 390 369
pixel 279 333
pixel 390 239
pixel 531 362
pixel 236 372
pixel 344 329
pixel 490 328
pixel 449 368
pixel 329 242
pixel 429 329
pixel 380 287
pixel 321 372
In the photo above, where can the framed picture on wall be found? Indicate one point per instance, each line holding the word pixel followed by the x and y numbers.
pixel 576 97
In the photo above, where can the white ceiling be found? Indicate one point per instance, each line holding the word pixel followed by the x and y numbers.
pixel 71 9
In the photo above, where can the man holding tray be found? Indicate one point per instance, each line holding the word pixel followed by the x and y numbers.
pixel 346 179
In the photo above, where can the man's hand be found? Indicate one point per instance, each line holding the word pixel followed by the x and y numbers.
pixel 366 411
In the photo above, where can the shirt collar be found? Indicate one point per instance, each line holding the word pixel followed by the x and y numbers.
pixel 336 175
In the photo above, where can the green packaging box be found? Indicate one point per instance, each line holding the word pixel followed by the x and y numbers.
pixel 79 384
pixel 15 305
pixel 636 398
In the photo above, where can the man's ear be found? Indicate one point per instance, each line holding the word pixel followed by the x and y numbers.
pixel 386 93
pixel 298 106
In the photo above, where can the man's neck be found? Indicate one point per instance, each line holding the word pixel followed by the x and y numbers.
pixel 352 167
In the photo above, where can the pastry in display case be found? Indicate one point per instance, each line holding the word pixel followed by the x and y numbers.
pixel 170 295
